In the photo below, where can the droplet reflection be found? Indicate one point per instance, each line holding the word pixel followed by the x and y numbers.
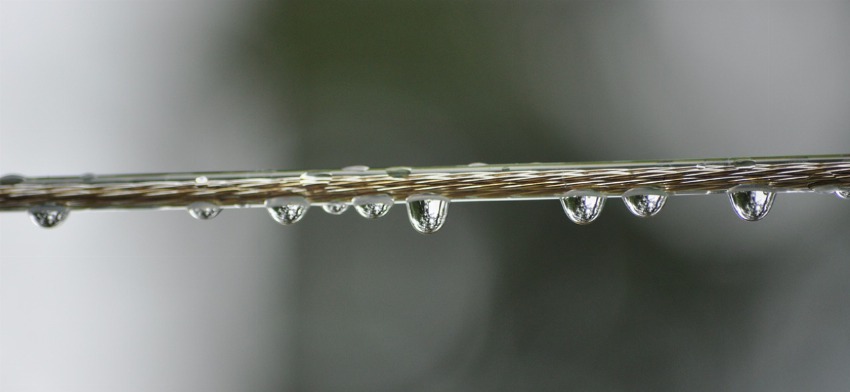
pixel 583 207
pixel 372 206
pixel 288 209
pixel 203 210
pixel 48 216
pixel 335 208
pixel 751 204
pixel 644 202
pixel 427 213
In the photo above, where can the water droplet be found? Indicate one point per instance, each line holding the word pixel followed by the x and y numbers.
pixel 843 193
pixel 88 177
pixel 335 208
pixel 751 203
pixel 11 179
pixel 356 168
pixel 583 207
pixel 287 210
pixel 201 180
pixel 398 172
pixel 203 210
pixel 476 164
pixel 312 178
pixel 48 216
pixel 644 202
pixel 427 213
pixel 372 206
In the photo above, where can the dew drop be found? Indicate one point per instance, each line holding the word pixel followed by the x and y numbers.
pixel 201 180
pixel 644 202
pixel 477 164
pixel 287 210
pixel 843 193
pixel 750 203
pixel 335 208
pixel 583 207
pixel 11 179
pixel 203 210
pixel 398 172
pixel 48 216
pixel 427 213
pixel 372 206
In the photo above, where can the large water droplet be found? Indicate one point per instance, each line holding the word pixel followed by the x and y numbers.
pixel 372 206
pixel 583 207
pixel 750 203
pixel 203 210
pixel 11 179
pixel 843 193
pixel 335 208
pixel 644 202
pixel 287 210
pixel 48 216
pixel 427 213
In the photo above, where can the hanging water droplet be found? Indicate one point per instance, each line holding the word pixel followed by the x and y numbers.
pixel 287 210
pixel 583 207
pixel 11 179
pixel 372 206
pixel 427 213
pixel 203 210
pixel 335 208
pixel 751 203
pixel 48 216
pixel 644 202
pixel 398 172
pixel 843 193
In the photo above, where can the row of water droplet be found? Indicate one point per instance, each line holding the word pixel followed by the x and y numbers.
pixel 427 213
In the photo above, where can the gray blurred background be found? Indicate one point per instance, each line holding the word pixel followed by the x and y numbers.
pixel 507 296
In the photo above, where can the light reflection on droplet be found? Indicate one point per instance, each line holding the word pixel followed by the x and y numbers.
pixel 356 168
pixel 751 204
pixel 644 202
pixel 48 216
pixel 203 210
pixel 427 213
pixel 287 210
pixel 372 206
pixel 583 207
pixel 335 208
pixel 201 180
pixel 843 193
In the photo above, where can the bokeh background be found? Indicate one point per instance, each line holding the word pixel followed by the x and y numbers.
pixel 507 296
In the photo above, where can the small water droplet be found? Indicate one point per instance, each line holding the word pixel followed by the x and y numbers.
pixel 644 202
pixel 48 216
pixel 843 193
pixel 203 210
pixel 312 178
pixel 201 180
pixel 356 168
pixel 287 210
pixel 751 203
pixel 583 207
pixel 399 172
pixel 11 179
pixel 88 177
pixel 335 208
pixel 476 164
pixel 427 213
pixel 701 166
pixel 372 206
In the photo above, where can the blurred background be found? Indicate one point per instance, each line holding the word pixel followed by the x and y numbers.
pixel 507 296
